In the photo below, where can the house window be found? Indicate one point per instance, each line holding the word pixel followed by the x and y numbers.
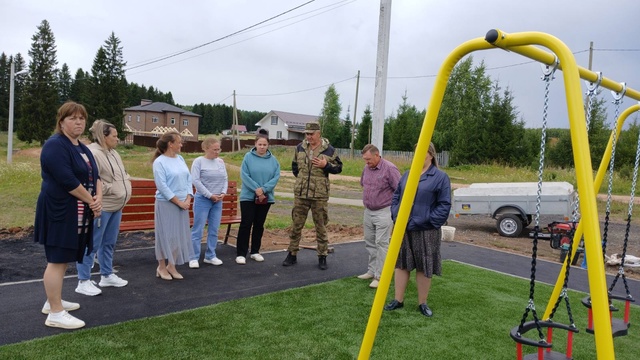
pixel 138 118
pixel 185 122
pixel 154 119
pixel 173 121
pixel 274 120
pixel 129 119
pixel 278 134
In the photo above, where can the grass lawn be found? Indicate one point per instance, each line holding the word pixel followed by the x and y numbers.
pixel 474 311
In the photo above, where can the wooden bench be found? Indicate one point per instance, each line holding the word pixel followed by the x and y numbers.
pixel 138 214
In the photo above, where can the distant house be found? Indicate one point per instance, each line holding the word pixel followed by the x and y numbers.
pixel 155 118
pixel 242 129
pixel 285 125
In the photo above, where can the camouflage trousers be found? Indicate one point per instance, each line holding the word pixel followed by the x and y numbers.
pixel 320 213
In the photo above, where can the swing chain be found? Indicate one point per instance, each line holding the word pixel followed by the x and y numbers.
pixel 548 72
pixel 617 100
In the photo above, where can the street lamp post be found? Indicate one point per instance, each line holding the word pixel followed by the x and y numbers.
pixel 10 132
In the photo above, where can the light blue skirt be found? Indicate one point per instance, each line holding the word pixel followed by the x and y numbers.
pixel 173 235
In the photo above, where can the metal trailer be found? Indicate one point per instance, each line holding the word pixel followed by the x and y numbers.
pixel 513 205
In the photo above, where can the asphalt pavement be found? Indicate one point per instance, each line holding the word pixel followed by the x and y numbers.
pixel 146 295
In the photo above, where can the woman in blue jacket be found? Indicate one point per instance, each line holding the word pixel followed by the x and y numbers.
pixel 260 172
pixel 420 249
pixel 70 197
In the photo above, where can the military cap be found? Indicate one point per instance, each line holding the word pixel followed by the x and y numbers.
pixel 311 127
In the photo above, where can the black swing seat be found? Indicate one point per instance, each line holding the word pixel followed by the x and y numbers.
pixel 531 325
pixel 618 326
pixel 586 301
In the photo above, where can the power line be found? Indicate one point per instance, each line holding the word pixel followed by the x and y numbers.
pixel 218 39
pixel 617 50
pixel 298 91
pixel 333 7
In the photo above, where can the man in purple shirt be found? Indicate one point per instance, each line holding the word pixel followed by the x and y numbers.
pixel 379 180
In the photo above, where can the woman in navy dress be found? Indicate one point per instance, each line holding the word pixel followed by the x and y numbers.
pixel 70 197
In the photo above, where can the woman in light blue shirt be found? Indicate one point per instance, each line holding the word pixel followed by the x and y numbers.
pixel 173 199
pixel 210 179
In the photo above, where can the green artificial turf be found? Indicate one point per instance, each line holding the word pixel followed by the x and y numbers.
pixel 474 310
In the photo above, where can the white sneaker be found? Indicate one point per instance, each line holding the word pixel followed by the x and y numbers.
pixel 257 257
pixel 88 287
pixel 214 261
pixel 241 260
pixel 374 284
pixel 112 280
pixel 67 305
pixel 365 276
pixel 193 264
pixel 63 320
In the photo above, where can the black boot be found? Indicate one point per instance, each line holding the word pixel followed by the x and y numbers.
pixel 322 262
pixel 290 260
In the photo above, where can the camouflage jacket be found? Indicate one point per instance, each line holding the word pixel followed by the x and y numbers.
pixel 312 182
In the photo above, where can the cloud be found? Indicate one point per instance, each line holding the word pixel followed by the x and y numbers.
pixel 325 42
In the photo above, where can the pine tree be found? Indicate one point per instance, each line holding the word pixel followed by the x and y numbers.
pixel 64 83
pixel 363 137
pixel 404 128
pixel 80 87
pixel 330 115
pixel 5 71
pixel 40 103
pixel 109 90
pixel 18 83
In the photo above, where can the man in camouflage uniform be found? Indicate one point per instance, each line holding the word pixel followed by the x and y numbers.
pixel 313 161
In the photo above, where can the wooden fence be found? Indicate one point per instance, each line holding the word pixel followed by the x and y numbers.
pixel 391 155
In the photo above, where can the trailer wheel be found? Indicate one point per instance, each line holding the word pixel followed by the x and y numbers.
pixel 510 225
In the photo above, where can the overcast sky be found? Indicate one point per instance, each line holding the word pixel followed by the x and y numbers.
pixel 287 63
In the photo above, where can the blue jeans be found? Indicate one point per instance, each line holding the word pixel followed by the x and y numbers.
pixel 105 233
pixel 205 211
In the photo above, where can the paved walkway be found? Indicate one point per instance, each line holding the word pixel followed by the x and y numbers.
pixel 332 200
pixel 147 296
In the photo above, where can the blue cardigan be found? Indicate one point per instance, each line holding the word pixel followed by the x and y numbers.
pixel 63 169
pixel 432 203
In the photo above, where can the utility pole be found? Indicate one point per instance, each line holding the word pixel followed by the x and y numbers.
pixel 234 132
pixel 355 111
pixel 380 92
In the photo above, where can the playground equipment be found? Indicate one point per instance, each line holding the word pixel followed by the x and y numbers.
pixel 523 44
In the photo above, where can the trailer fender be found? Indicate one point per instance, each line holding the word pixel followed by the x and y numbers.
pixel 510 209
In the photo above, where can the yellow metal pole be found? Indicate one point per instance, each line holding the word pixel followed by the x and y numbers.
pixel 420 155
pixel 582 160
pixel 597 182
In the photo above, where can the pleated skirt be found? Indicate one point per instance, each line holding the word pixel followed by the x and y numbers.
pixel 173 235
pixel 420 250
